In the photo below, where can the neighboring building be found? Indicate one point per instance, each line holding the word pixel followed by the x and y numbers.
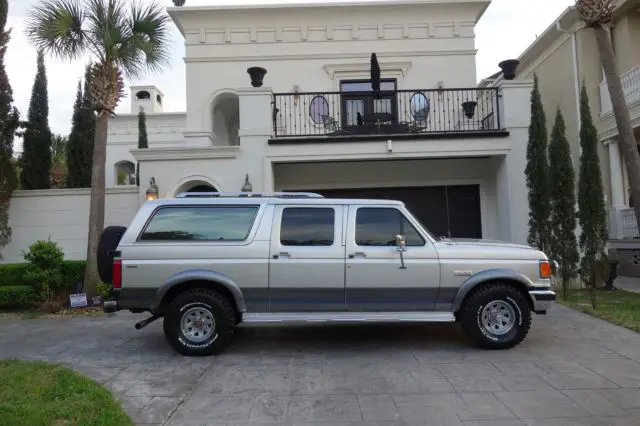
pixel 453 152
pixel 563 56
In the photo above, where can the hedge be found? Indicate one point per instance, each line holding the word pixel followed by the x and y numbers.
pixel 12 274
pixel 18 296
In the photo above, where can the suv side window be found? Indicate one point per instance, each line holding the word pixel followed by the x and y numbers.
pixel 379 227
pixel 305 226
pixel 203 223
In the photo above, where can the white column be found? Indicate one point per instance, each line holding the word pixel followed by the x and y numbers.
pixel 615 167
pixel 513 204
pixel 256 127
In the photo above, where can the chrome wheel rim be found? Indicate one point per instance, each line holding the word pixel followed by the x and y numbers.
pixel 498 317
pixel 197 324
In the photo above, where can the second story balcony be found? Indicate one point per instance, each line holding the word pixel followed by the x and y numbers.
pixel 356 112
pixel 630 87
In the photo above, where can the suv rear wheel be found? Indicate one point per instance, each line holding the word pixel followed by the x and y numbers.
pixel 199 322
pixel 495 316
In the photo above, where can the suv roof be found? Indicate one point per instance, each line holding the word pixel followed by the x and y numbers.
pixel 263 198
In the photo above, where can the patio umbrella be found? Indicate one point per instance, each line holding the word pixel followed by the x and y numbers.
pixel 375 76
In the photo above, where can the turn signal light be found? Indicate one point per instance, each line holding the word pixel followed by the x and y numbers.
pixel 545 269
pixel 116 274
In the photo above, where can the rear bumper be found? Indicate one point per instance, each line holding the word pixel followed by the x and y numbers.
pixel 542 300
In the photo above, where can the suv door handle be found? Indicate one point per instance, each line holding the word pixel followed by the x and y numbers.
pixel 281 254
pixel 357 254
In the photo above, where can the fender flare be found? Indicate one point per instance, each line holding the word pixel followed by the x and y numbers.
pixel 490 275
pixel 200 275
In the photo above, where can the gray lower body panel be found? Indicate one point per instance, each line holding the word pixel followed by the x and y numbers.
pixel 320 299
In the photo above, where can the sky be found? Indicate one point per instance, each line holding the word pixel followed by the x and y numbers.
pixel 506 29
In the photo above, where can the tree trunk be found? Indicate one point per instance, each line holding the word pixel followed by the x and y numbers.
pixel 626 139
pixel 97 204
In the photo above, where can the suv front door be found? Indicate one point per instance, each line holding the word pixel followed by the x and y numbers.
pixel 376 278
pixel 307 258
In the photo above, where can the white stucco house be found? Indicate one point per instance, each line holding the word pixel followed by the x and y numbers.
pixel 453 151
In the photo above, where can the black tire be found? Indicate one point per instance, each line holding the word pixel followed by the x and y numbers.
pixel 109 240
pixel 512 301
pixel 224 322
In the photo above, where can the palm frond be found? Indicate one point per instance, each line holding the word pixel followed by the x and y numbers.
pixel 55 27
pixel 596 12
pixel 146 46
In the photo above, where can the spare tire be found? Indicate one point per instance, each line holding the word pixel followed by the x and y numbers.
pixel 109 240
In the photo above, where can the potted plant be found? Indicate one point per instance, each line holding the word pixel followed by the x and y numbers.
pixel 508 68
pixel 178 2
pixel 469 108
pixel 257 75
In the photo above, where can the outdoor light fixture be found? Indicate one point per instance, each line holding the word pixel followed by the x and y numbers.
pixel 247 185
pixel 152 191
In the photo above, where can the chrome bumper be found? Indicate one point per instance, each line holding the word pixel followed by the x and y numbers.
pixel 542 300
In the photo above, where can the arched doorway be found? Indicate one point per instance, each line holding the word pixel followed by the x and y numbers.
pixel 202 188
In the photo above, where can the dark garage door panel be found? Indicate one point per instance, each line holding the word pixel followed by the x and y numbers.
pixel 452 211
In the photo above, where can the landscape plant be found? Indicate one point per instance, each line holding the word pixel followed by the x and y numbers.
pixel 592 215
pixel 36 146
pixel 9 122
pixel 563 245
pixel 45 268
pixel 123 41
pixel 536 172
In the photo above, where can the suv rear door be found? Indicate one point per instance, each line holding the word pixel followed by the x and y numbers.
pixel 375 279
pixel 307 258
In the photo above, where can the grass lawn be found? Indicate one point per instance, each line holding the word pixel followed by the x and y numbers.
pixel 36 393
pixel 619 307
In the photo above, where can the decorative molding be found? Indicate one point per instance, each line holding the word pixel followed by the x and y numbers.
pixel 185 153
pixel 404 54
pixel 329 33
pixel 399 68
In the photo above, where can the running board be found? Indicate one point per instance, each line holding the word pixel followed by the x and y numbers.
pixel 348 317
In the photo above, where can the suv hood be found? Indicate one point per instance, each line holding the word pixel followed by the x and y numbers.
pixel 463 248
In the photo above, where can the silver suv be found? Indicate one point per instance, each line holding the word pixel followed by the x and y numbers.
pixel 206 262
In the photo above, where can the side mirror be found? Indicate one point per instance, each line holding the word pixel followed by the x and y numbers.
pixel 400 242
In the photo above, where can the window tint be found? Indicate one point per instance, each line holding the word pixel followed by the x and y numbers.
pixel 307 226
pixel 217 223
pixel 379 227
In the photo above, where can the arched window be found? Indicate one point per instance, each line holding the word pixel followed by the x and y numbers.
pixel 143 94
pixel 125 173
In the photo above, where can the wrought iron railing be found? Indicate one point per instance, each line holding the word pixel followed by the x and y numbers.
pixel 387 112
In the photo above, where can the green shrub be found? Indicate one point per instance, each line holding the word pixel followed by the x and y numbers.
pixel 104 290
pixel 44 272
pixel 18 296
pixel 12 274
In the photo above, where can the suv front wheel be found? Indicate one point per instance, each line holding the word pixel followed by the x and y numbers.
pixel 495 316
pixel 199 322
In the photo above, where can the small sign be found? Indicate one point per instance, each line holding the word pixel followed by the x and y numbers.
pixel 78 300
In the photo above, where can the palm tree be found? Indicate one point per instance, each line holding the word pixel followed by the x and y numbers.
pixel 598 15
pixel 59 145
pixel 122 42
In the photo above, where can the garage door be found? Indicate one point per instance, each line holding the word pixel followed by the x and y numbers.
pixel 450 211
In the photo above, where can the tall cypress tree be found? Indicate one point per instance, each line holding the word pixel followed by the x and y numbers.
pixel 592 214
pixel 75 147
pixel 36 153
pixel 536 173
pixel 9 121
pixel 143 142
pixel 563 245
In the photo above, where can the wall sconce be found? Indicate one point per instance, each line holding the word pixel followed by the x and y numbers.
pixel 247 187
pixel 152 191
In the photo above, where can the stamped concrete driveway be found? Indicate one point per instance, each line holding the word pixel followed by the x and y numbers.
pixel 571 370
